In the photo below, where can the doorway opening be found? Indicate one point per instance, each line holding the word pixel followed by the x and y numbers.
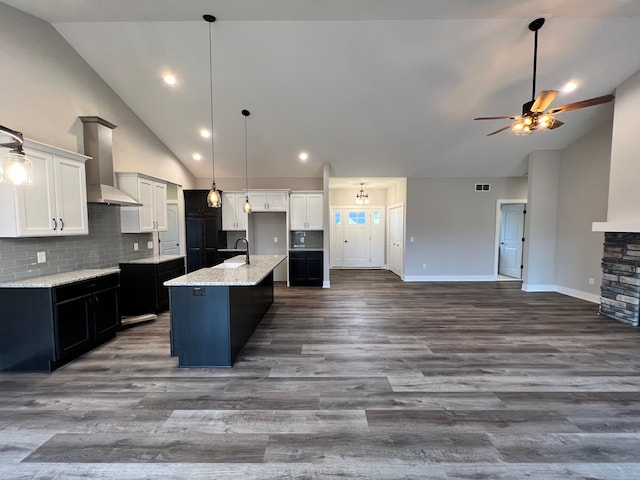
pixel 510 223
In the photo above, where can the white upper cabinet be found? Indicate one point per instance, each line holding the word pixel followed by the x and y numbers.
pixel 55 204
pixel 233 216
pixel 151 193
pixel 306 211
pixel 268 201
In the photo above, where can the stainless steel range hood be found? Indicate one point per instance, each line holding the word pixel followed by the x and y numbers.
pixel 98 144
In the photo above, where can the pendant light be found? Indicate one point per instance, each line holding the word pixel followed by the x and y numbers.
pixel 213 198
pixel 247 204
pixel 361 197
pixel 15 167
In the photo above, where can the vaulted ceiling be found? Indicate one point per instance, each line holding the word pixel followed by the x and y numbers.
pixel 383 88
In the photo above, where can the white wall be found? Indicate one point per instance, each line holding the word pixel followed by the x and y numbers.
pixel 46 86
pixel 624 192
pixel 541 221
pixel 453 226
pixel 347 197
pixel 582 199
pixel 228 184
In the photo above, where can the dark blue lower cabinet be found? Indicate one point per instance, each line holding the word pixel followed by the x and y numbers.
pixel 211 324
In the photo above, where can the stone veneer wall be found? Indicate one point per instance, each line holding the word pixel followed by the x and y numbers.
pixel 620 291
pixel 104 247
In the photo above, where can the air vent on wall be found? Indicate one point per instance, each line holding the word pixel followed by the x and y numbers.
pixel 483 187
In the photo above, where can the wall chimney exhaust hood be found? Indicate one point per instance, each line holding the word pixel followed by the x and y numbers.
pixel 98 144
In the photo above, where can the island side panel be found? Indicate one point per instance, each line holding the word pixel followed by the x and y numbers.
pixel 248 306
pixel 200 326
pixel 26 329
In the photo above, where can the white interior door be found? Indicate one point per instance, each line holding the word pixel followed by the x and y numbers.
pixel 170 239
pixel 511 235
pixel 396 240
pixel 356 238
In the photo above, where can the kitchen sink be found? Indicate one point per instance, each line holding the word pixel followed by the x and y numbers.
pixel 229 265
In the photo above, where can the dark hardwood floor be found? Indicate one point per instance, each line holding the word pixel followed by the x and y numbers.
pixel 371 379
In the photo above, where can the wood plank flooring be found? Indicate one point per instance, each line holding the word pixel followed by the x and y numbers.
pixel 371 379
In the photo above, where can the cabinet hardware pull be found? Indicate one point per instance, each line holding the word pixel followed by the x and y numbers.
pixel 55 224
pixel 61 224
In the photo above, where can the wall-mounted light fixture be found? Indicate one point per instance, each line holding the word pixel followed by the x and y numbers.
pixel 15 167
pixel 247 204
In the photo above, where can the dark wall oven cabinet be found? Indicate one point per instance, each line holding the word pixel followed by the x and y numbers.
pixel 142 290
pixel 305 268
pixel 203 230
pixel 44 328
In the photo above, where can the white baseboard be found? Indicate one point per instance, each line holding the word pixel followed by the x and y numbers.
pixel 449 278
pixel 589 297
pixel 326 284
pixel 539 288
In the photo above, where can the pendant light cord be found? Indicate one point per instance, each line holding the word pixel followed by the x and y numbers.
pixel 246 158
pixel 211 19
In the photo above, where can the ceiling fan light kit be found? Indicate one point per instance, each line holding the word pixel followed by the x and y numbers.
pixel 534 118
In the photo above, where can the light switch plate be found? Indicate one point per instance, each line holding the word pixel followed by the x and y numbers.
pixel 42 257
pixel 135 246
pixel 149 245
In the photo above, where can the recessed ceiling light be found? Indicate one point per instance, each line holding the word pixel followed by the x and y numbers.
pixel 169 78
pixel 303 156
pixel 204 133
pixel 197 156
pixel 570 87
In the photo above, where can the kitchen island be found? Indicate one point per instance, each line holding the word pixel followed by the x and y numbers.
pixel 215 310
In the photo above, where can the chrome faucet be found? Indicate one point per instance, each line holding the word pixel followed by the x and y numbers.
pixel 247 242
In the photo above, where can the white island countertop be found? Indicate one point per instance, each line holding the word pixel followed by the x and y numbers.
pixel 243 275
pixel 58 279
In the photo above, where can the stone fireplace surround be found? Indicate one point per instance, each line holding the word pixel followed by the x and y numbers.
pixel 620 290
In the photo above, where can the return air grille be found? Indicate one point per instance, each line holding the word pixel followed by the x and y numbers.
pixel 482 187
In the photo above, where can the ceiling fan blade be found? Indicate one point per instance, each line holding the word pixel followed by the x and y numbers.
pixel 544 100
pixel 556 124
pixel 498 131
pixel 512 117
pixel 584 103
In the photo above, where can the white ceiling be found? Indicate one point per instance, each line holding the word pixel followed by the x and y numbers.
pixel 377 88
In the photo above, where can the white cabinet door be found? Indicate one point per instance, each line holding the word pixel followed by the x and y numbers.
pixel 306 211
pixel 314 211
pixel 145 197
pixel 265 201
pixel 151 215
pixel 277 201
pixel 298 211
pixel 71 197
pixel 160 206
pixel 258 201
pixel 233 216
pixel 36 204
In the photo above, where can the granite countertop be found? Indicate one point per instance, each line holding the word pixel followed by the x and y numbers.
pixel 153 259
pixel 58 279
pixel 245 275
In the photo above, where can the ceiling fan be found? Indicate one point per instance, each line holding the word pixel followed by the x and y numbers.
pixel 534 118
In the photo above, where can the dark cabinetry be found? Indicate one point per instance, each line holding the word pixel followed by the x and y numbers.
pixel 305 268
pixel 44 328
pixel 142 290
pixel 203 230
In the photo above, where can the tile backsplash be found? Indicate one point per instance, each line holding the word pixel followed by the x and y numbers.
pixel 104 247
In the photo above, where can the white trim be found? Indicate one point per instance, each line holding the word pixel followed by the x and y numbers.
pixel 539 288
pixel 589 297
pixel 496 252
pixel 326 284
pixel 449 278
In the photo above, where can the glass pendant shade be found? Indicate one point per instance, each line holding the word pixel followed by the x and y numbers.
pixel 247 205
pixel 16 169
pixel 213 198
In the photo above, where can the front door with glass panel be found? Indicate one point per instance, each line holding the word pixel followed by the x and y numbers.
pixel 357 237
